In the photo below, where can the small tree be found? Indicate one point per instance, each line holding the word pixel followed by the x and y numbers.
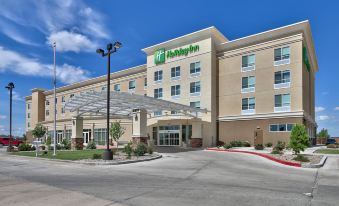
pixel 299 139
pixel 24 138
pixel 116 131
pixel 323 135
pixel 39 131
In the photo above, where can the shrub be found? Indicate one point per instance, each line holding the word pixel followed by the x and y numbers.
pixel 24 147
pixel 275 152
pixel 150 150
pixel 97 156
pixel 58 147
pixel 10 149
pixel 91 145
pixel 140 149
pixel 280 146
pixel 246 144
pixel 220 143
pixel 66 144
pixel 128 149
pixel 331 146
pixel 227 146
pixel 299 139
pixel 49 141
pixel 259 147
pixel 301 158
pixel 268 144
pixel 236 143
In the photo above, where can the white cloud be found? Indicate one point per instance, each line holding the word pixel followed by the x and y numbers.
pixel 14 62
pixel 3 117
pixel 323 117
pixel 319 109
pixel 16 96
pixel 336 108
pixel 70 41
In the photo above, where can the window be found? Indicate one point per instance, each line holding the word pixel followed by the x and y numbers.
pixel 175 90
pixel 117 87
pixel 174 112
pixel 28 115
pixel 175 72
pixel 248 103
pixel 28 125
pixel 248 84
pixel 71 96
pixel 195 104
pixel 195 87
pixel 281 127
pixel 282 53
pixel 145 82
pixel 282 100
pixel 157 113
pixel 100 136
pixel 56 100
pixel 68 134
pixel 248 61
pixel 47 112
pixel 131 85
pixel 195 68
pixel 63 110
pixel 28 106
pixel 103 88
pixel 281 77
pixel 63 99
pixel 158 93
pixel 47 102
pixel 158 75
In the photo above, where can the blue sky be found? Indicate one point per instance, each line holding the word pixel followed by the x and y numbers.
pixel 79 27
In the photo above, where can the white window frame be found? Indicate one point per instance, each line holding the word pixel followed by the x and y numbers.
pixel 157 113
pixel 283 59
pixel 129 85
pixel 159 93
pixel 195 93
pixel 192 104
pixel 177 70
pixel 250 87
pixel 249 66
pixel 176 95
pixel 158 76
pixel 117 87
pixel 278 126
pixel 248 110
pixel 195 73
pixel 286 84
pixel 285 107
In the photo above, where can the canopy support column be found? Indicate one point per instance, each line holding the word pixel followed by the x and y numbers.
pixel 139 126
pixel 77 140
pixel 196 140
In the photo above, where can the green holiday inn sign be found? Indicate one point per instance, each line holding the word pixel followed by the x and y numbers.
pixel 161 55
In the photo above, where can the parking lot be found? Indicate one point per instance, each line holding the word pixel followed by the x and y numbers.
pixel 185 178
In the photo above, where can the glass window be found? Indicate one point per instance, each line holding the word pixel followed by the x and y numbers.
pixel 117 87
pixel 28 124
pixel 282 77
pixel 195 68
pixel 145 82
pixel 195 104
pixel 62 110
pixel 28 106
pixel 175 72
pixel 29 115
pixel 103 88
pixel 195 87
pixel 175 90
pixel 158 93
pixel 131 85
pixel 248 82
pixel 273 127
pixel 47 102
pixel 281 53
pixel 158 75
pixel 248 60
pixel 72 95
pixel 282 100
pixel 157 113
pixel 290 127
pixel 68 134
pixel 100 136
pixel 248 103
pixel 63 99
pixel 282 127
pixel 47 112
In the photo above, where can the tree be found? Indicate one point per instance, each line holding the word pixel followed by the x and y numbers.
pixel 323 134
pixel 116 131
pixel 39 131
pixel 24 138
pixel 299 139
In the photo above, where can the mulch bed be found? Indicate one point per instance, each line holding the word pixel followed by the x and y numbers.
pixel 314 159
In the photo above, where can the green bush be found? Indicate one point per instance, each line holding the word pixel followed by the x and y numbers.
pixel 140 149
pixel 97 156
pixel 24 147
pixel 49 141
pixel 259 147
pixel 301 158
pixel 299 139
pixel 236 143
pixel 10 149
pixel 275 152
pixel 332 146
pixel 227 146
pixel 150 150
pixel 91 145
pixel 66 144
pixel 268 144
pixel 59 147
pixel 128 149
pixel 246 144
pixel 280 146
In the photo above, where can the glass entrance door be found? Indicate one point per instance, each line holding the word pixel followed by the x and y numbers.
pixel 169 135
pixel 86 135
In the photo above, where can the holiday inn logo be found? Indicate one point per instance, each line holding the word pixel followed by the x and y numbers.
pixel 160 55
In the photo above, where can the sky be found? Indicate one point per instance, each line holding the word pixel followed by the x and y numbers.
pixel 79 27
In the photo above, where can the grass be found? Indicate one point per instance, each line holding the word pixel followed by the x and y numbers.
pixel 327 151
pixel 64 155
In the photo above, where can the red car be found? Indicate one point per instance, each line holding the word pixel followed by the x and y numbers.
pixel 5 141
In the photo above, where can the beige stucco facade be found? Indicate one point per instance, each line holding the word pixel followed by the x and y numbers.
pixel 219 73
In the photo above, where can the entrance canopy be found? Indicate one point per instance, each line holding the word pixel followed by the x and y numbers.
pixel 122 104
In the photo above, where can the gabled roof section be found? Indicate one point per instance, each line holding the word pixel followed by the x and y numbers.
pixel 217 36
pixel 297 28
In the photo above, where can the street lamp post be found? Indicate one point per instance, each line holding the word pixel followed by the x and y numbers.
pixel 10 87
pixel 111 48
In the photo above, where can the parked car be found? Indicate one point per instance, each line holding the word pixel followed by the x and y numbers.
pixel 330 141
pixel 5 141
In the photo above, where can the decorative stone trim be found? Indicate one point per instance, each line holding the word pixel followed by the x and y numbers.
pixel 196 142
pixel 77 143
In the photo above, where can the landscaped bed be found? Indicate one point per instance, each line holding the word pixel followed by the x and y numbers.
pixel 313 159
pixel 327 151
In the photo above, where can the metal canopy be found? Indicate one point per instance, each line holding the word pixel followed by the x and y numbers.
pixel 93 103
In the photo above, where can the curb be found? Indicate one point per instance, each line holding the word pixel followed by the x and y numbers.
pixel 117 163
pixel 320 164
pixel 284 162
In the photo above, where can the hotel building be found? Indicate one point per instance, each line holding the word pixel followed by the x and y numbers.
pixel 254 89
